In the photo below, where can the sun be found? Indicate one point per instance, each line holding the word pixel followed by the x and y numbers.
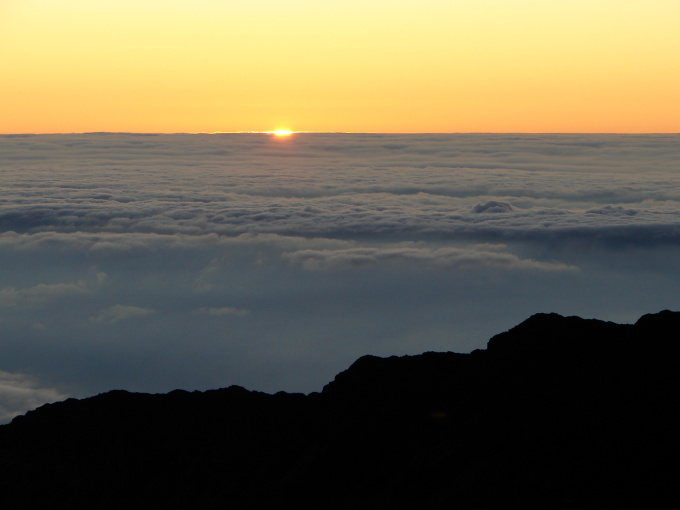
pixel 282 132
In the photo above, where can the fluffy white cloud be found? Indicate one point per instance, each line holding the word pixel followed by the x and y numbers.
pixel 43 293
pixel 117 313
pixel 472 257
pixel 222 311
pixel 492 206
pixel 615 210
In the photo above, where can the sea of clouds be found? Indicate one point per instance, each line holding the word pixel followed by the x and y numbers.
pixel 152 262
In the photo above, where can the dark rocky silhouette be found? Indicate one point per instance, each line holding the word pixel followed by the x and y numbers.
pixel 558 412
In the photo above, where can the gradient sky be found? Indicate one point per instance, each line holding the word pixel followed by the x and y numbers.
pixel 357 66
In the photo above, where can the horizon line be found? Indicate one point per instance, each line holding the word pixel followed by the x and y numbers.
pixel 293 132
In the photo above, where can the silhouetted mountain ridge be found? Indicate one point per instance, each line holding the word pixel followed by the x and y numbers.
pixel 557 412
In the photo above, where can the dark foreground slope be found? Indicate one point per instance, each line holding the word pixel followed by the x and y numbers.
pixel 556 413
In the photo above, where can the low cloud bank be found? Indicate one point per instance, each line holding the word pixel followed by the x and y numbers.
pixel 413 186
pixel 21 392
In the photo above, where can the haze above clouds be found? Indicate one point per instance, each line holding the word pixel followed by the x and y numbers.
pixel 152 262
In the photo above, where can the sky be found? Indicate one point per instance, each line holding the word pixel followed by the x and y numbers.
pixel 150 262
pixel 425 66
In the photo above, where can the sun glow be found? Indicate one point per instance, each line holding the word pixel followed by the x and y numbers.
pixel 282 132
pixel 130 66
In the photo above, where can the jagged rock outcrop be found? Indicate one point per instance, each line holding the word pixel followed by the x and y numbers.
pixel 558 412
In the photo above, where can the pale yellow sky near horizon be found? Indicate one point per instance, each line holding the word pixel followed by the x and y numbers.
pixel 350 66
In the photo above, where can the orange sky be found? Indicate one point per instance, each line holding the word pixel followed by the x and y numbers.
pixel 358 66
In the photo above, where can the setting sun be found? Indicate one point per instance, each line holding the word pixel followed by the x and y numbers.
pixel 283 132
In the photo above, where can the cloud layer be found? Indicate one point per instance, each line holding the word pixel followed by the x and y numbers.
pixel 478 186
pixel 152 262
